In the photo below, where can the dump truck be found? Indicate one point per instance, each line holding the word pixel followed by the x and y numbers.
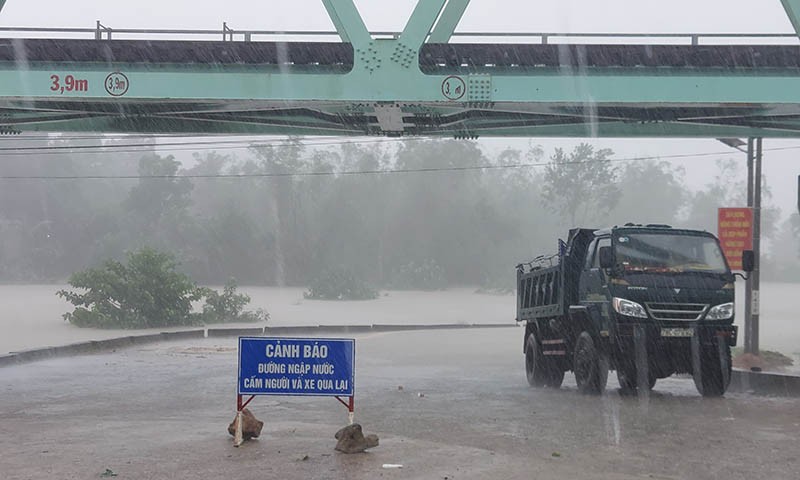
pixel 647 301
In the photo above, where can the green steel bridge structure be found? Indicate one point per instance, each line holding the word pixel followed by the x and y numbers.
pixel 411 83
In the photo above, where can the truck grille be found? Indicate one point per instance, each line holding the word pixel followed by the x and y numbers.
pixel 677 311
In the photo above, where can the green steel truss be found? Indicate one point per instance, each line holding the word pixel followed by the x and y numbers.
pixel 385 92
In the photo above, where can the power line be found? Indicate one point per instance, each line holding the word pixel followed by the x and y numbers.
pixel 224 145
pixel 184 146
pixel 362 172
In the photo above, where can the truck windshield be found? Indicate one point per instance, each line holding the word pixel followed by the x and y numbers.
pixel 657 253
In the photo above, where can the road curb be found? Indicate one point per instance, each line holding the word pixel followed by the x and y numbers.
pixel 94 346
pixel 183 334
pixel 111 344
pixel 764 383
pixel 236 332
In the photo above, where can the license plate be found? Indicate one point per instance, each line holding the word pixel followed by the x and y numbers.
pixel 677 332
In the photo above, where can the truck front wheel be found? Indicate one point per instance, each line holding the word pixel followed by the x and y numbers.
pixel 590 365
pixel 712 368
pixel 633 368
pixel 540 371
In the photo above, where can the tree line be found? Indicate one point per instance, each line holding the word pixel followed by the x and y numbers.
pixel 451 214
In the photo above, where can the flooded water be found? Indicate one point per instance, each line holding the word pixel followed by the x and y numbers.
pixel 32 313
pixel 780 317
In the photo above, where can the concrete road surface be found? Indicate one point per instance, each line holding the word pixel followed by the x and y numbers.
pixel 464 412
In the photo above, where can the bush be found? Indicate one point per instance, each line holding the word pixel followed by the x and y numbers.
pixel 427 275
pixel 229 306
pixel 339 284
pixel 148 292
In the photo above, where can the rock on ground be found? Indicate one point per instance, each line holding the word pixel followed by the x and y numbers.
pixel 351 439
pixel 251 426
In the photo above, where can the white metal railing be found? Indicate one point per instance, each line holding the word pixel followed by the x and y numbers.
pixel 103 32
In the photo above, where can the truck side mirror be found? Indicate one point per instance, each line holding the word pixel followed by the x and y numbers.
pixel 748 261
pixel 606 257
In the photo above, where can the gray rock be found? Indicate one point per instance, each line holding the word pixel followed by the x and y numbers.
pixel 251 426
pixel 351 439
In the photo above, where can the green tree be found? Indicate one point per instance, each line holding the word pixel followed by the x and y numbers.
pixel 520 230
pixel 441 216
pixel 651 192
pixel 278 197
pixel 148 291
pixel 233 237
pixel 728 188
pixel 49 227
pixel 350 213
pixel 161 197
pixel 145 292
pixel 581 185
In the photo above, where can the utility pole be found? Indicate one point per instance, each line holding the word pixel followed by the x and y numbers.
pixel 752 297
pixel 755 275
pixel 752 293
pixel 748 289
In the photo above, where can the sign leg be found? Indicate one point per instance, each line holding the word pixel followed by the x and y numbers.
pixel 351 409
pixel 238 438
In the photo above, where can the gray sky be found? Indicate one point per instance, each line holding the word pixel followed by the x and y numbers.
pixel 690 16
pixel 491 15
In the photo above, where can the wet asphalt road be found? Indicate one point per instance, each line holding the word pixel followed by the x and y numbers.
pixel 161 412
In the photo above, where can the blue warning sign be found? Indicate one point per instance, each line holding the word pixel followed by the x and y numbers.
pixel 296 366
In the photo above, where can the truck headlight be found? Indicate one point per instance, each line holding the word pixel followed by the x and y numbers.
pixel 721 312
pixel 628 308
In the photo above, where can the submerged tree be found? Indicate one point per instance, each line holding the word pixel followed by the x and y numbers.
pixel 148 291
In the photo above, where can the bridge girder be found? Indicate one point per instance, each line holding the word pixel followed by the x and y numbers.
pixel 792 8
pixel 399 86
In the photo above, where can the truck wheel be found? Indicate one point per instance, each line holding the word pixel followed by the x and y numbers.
pixel 534 363
pixel 541 371
pixel 713 374
pixel 555 377
pixel 590 366
pixel 628 371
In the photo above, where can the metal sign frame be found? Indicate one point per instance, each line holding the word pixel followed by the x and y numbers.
pixel 243 399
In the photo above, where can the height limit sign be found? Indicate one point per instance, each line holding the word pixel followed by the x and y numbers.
pixel 735 231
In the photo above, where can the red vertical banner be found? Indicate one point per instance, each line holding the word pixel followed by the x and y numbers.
pixel 735 232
